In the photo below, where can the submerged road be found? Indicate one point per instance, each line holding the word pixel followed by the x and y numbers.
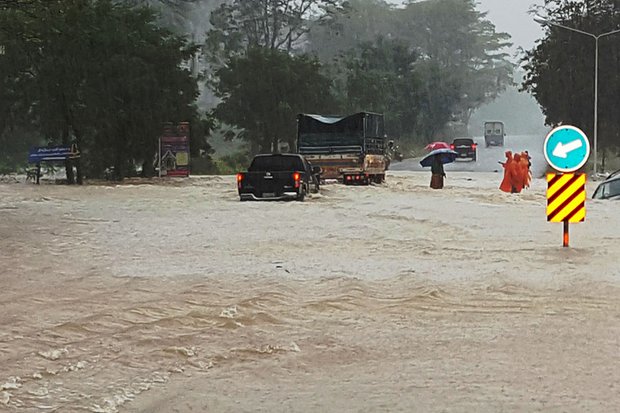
pixel 488 157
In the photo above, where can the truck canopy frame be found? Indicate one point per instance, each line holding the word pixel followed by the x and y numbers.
pixel 362 132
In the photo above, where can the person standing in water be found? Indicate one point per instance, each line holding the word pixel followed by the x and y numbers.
pixel 507 182
pixel 437 173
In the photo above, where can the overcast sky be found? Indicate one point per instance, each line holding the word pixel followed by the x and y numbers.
pixel 511 16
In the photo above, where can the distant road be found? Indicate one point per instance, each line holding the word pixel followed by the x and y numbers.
pixel 488 157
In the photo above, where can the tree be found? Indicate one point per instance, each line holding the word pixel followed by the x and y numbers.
pixel 178 15
pixel 272 24
pixel 560 69
pixel 15 4
pixel 102 75
pixel 345 28
pixel 17 127
pixel 439 98
pixel 263 91
pixel 461 42
pixel 459 60
pixel 380 77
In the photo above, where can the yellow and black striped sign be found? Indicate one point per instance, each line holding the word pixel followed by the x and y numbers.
pixel 566 197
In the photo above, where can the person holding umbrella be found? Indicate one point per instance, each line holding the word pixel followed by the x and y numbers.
pixel 436 159
pixel 437 173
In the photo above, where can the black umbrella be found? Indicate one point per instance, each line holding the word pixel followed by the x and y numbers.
pixel 445 156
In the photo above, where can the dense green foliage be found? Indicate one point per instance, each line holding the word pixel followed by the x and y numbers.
pixel 106 73
pixel 264 90
pixel 418 97
pixel 425 66
pixel 96 73
pixel 464 46
pixel 379 78
pixel 278 25
pixel 560 69
pixel 181 16
pixel 456 60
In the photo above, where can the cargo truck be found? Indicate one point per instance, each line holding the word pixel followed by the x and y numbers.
pixel 351 149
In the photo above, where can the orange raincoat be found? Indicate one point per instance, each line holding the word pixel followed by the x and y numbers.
pixel 518 178
pixel 524 170
pixel 506 184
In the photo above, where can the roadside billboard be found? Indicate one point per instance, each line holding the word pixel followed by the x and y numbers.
pixel 174 150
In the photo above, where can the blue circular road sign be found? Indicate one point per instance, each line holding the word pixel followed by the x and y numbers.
pixel 566 148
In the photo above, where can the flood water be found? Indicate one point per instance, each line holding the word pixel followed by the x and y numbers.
pixel 179 298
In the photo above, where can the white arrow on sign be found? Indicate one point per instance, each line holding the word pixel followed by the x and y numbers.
pixel 561 150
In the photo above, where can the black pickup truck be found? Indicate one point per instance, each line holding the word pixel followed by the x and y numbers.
pixel 278 177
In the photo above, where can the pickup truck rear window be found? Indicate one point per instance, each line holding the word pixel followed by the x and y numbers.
pixel 276 164
pixel 463 142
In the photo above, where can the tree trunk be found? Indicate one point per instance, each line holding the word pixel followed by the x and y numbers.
pixel 292 145
pixel 119 159
pixel 65 138
pixel 147 168
pixel 254 147
pixel 78 171
pixel 265 146
pixel 78 161
pixel 69 171
pixel 118 166
pixel 68 162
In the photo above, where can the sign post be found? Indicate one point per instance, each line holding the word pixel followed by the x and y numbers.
pixel 566 149
pixel 69 153
pixel 173 150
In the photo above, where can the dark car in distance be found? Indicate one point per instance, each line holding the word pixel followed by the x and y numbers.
pixel 278 177
pixel 465 148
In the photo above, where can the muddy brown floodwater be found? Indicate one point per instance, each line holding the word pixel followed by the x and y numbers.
pixel 177 297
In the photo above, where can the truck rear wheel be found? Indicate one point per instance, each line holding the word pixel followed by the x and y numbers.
pixel 302 195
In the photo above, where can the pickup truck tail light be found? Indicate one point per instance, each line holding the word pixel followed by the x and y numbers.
pixel 239 180
pixel 452 146
pixel 473 146
pixel 296 178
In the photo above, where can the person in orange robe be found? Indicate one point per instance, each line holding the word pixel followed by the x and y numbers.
pixel 516 174
pixel 506 184
pixel 525 169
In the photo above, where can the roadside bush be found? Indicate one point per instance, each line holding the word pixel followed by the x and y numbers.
pixel 231 164
pixel 6 169
pixel 412 147
pixel 203 166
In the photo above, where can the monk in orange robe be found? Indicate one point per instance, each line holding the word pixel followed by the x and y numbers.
pixel 506 184
pixel 525 169
pixel 516 174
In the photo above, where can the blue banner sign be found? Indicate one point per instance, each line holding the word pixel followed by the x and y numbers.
pixel 52 153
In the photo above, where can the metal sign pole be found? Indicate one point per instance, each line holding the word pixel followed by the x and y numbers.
pixel 159 156
pixel 565 237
